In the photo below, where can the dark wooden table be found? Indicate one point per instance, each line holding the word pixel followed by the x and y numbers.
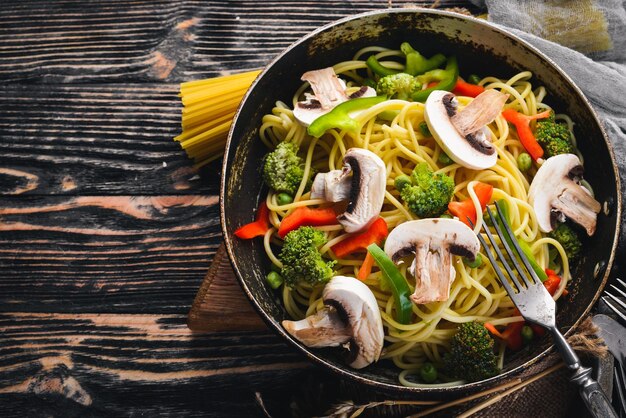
pixel 106 231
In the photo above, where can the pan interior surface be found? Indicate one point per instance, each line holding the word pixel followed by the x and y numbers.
pixel 480 48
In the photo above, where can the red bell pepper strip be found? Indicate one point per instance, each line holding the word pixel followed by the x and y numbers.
pixel 492 329
pixel 553 282
pixel 463 88
pixel 525 134
pixel 465 209
pixel 538 330
pixel 512 335
pixel 258 227
pixel 366 267
pixel 305 216
pixel 373 235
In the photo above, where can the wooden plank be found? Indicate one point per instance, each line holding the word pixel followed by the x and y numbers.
pixel 105 253
pixel 168 40
pixel 122 365
pixel 95 139
pixel 68 42
pixel 220 304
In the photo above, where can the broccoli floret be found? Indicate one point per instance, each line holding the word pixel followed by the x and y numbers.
pixel 428 194
pixel 301 258
pixel 569 239
pixel 471 356
pixel 283 169
pixel 398 86
pixel 402 181
pixel 554 138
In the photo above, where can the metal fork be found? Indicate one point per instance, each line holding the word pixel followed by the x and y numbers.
pixel 619 375
pixel 537 306
pixel 610 299
pixel 619 384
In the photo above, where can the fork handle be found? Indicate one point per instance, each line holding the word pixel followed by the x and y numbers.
pixel 594 397
pixel 591 392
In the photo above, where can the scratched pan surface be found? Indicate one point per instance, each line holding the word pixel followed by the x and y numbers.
pixel 480 48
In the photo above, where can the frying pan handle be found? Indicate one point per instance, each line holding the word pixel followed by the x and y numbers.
pixel 591 392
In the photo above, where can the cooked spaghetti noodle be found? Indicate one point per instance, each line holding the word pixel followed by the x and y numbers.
pixel 476 293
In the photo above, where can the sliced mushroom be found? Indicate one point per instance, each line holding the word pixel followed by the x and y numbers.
pixel 432 241
pixel 364 189
pixel 333 186
pixel 328 91
pixel 463 135
pixel 351 318
pixel 555 193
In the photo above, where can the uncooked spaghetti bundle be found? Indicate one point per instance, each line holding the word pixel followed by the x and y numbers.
pixel 209 106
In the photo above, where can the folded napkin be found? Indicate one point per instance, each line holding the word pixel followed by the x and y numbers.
pixel 587 39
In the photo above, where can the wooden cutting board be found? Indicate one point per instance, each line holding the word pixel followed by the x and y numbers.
pixel 221 304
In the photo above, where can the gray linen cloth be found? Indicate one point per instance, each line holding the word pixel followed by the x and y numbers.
pixel 591 50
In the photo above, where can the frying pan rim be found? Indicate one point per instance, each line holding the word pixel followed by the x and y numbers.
pixel 345 371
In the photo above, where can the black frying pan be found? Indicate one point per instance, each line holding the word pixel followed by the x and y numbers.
pixel 481 48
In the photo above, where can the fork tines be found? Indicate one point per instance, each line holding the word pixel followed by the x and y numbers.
pixel 529 277
pixel 611 300
pixel 619 383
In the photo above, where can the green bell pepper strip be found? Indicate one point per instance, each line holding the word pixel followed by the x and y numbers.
pixel 416 63
pixel 504 207
pixel 434 75
pixel 399 286
pixel 379 69
pixel 339 117
pixel 448 80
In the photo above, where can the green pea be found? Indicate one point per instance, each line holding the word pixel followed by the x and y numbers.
pixel 444 158
pixel 402 181
pixel 478 261
pixel 527 334
pixel 474 79
pixel 274 279
pixel 524 162
pixel 284 199
pixel 424 129
pixel 428 373
pixel 446 216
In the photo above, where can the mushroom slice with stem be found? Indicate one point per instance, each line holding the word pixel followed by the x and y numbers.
pixel 364 189
pixel 555 194
pixel 350 317
pixel 463 135
pixel 328 91
pixel 433 241
pixel 333 186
